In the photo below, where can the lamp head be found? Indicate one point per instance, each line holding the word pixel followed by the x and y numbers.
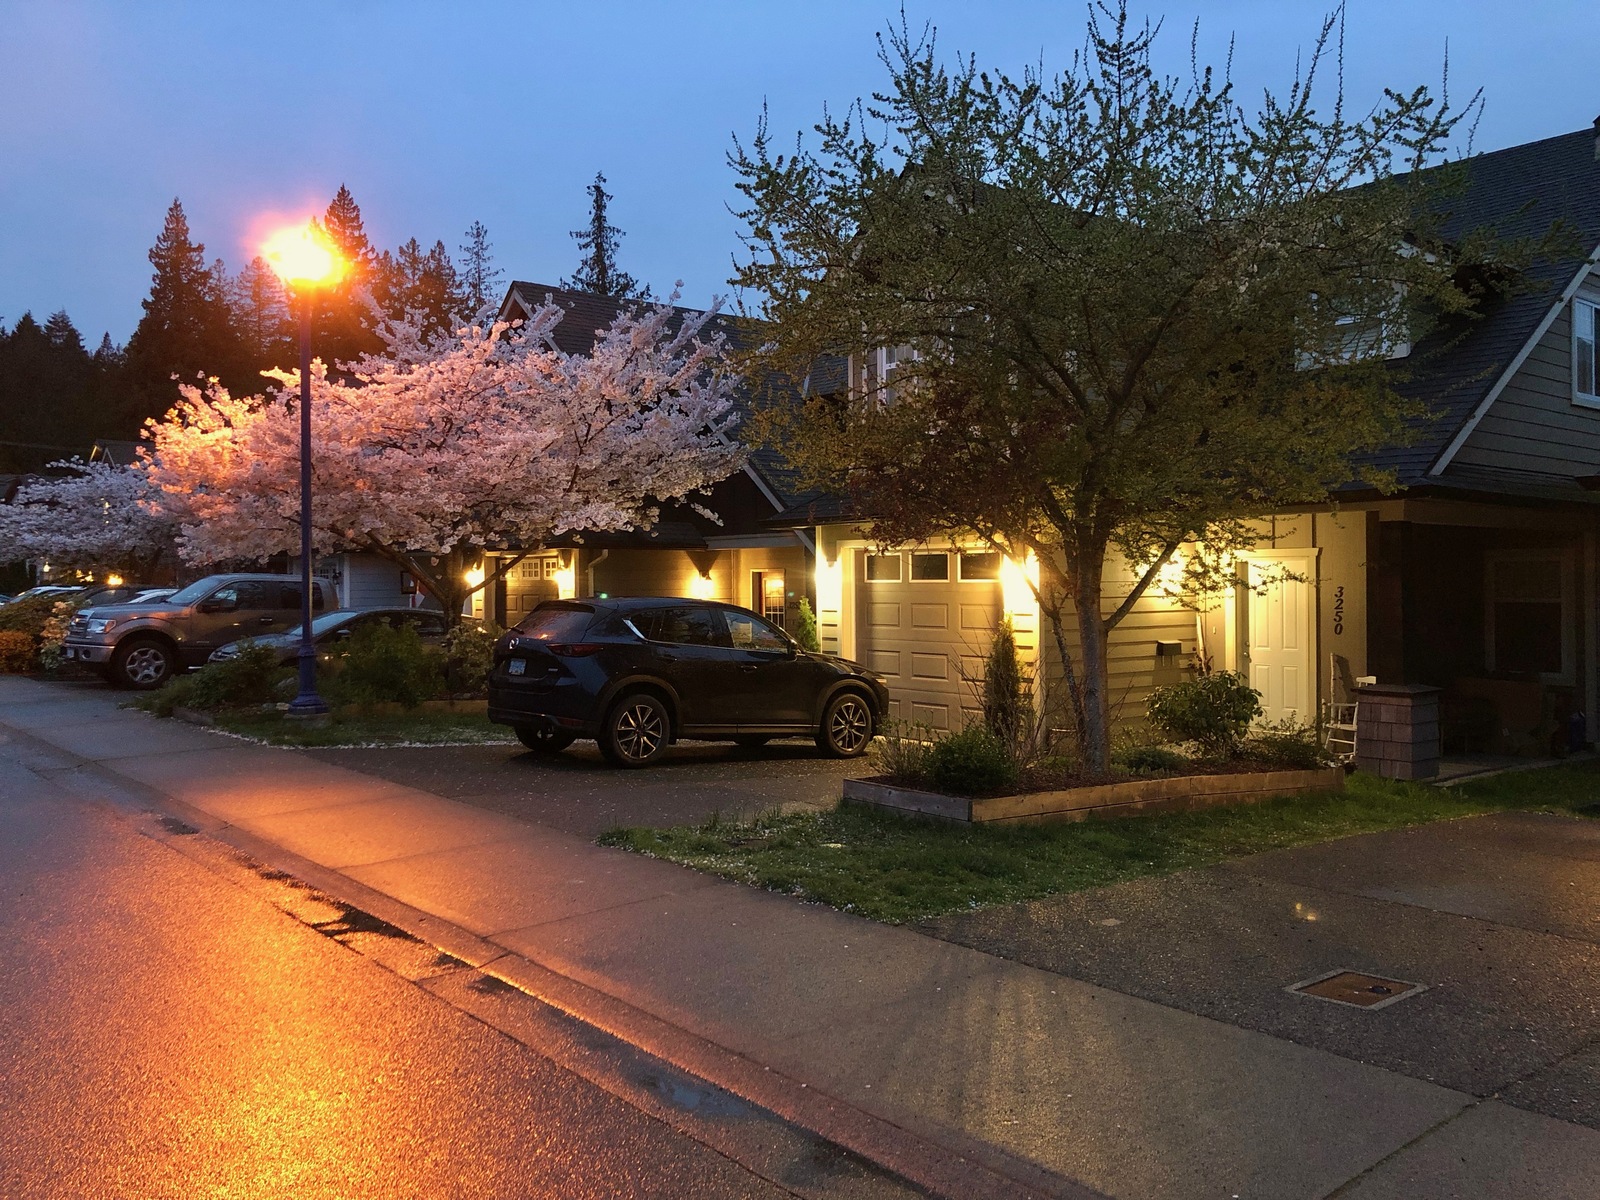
pixel 304 256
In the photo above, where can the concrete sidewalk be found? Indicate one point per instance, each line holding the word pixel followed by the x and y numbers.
pixel 1037 1082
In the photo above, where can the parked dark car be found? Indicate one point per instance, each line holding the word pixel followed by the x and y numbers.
pixel 637 674
pixel 332 628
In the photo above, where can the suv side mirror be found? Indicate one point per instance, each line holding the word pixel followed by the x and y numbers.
pixel 216 606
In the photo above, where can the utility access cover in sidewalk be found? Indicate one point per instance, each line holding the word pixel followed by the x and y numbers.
pixel 1355 989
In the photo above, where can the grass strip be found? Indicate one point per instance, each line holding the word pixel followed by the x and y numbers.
pixel 400 729
pixel 900 869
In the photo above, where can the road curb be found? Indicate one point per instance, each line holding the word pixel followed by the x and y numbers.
pixel 935 1158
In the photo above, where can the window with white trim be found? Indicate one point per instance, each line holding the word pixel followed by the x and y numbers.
pixel 879 368
pixel 1585 361
pixel 883 568
pixel 1528 619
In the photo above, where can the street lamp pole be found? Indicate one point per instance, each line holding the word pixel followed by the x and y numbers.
pixel 307 703
pixel 305 259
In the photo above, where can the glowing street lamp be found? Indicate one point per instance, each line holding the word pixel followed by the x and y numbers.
pixel 306 259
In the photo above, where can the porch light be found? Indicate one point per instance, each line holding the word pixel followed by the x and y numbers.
pixel 474 577
pixel 702 587
pixel 1017 581
pixel 113 580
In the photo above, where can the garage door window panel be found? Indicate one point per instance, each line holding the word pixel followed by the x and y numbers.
pixel 980 566
pixel 930 568
pixel 883 568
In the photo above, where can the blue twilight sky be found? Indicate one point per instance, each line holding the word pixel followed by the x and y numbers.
pixel 439 114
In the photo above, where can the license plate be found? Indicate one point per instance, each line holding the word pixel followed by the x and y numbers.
pixel 517 666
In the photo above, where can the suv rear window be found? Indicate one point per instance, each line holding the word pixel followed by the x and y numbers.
pixel 556 622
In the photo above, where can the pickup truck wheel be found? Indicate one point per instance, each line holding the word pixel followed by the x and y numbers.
pixel 143 663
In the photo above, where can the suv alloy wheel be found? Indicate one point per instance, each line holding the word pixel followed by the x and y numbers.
pixel 846 730
pixel 636 731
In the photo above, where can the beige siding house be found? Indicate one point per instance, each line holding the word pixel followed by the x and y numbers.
pixel 1476 576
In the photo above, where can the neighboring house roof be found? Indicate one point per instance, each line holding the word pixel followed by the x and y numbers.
pixel 1518 192
pixel 117 453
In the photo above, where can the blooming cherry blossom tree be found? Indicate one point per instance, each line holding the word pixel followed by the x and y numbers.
pixel 447 445
pixel 97 518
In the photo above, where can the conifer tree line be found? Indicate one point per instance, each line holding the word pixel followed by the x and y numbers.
pixel 57 396
pixel 200 318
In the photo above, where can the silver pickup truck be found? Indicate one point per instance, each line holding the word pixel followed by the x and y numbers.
pixel 144 645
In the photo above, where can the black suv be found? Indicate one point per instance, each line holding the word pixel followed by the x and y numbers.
pixel 637 674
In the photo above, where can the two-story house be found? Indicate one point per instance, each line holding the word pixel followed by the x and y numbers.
pixel 1477 576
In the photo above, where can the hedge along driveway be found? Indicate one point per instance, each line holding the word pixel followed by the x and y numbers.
pixel 899 869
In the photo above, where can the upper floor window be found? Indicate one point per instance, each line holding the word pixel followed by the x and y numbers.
pixel 879 368
pixel 1585 362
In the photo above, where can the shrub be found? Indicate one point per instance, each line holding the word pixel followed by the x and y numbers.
pixel 27 616
pixel 971 763
pixel 53 635
pixel 1287 744
pixel 384 665
pixel 1005 692
pixel 805 626
pixel 250 679
pixel 901 752
pixel 469 653
pixel 16 652
pixel 1149 759
pixel 1213 711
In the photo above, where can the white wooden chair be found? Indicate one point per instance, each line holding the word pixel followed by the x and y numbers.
pixel 1340 710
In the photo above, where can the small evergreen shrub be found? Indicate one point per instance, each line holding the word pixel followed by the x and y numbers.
pixel 1004 697
pixel 1149 760
pixel 469 654
pixel 805 626
pixel 1213 711
pixel 1287 744
pixel 16 652
pixel 384 665
pixel 971 763
pixel 249 680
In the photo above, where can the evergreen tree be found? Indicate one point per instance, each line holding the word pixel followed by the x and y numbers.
pixel 62 333
pixel 344 327
pixel 260 306
pixel 597 270
pixel 479 275
pixel 186 330
pixel 424 282
pixel 46 393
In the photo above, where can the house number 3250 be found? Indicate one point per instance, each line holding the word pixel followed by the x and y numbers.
pixel 1338 610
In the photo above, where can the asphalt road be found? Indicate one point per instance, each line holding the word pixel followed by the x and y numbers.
pixel 167 1030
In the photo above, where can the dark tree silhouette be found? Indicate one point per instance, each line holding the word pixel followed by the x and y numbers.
pixel 598 271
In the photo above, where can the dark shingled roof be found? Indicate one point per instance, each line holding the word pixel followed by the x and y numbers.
pixel 1516 192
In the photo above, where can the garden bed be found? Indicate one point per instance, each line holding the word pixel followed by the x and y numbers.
pixel 1173 793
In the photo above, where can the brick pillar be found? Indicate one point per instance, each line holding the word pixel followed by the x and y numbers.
pixel 1397 730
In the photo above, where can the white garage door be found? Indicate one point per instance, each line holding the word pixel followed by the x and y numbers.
pixel 922 619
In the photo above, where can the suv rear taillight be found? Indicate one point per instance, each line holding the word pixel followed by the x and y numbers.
pixel 576 649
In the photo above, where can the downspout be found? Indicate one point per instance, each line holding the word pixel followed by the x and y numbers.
pixel 593 563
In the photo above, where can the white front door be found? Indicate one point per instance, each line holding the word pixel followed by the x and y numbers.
pixel 1279 638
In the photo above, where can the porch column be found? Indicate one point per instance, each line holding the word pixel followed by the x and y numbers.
pixel 1397 730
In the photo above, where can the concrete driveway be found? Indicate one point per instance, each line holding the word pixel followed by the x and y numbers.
pixel 1498 916
pixel 576 792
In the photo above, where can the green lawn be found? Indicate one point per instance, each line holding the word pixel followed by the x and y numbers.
pixel 404 729
pixel 899 869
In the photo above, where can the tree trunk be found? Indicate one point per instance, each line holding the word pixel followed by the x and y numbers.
pixel 1094 733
